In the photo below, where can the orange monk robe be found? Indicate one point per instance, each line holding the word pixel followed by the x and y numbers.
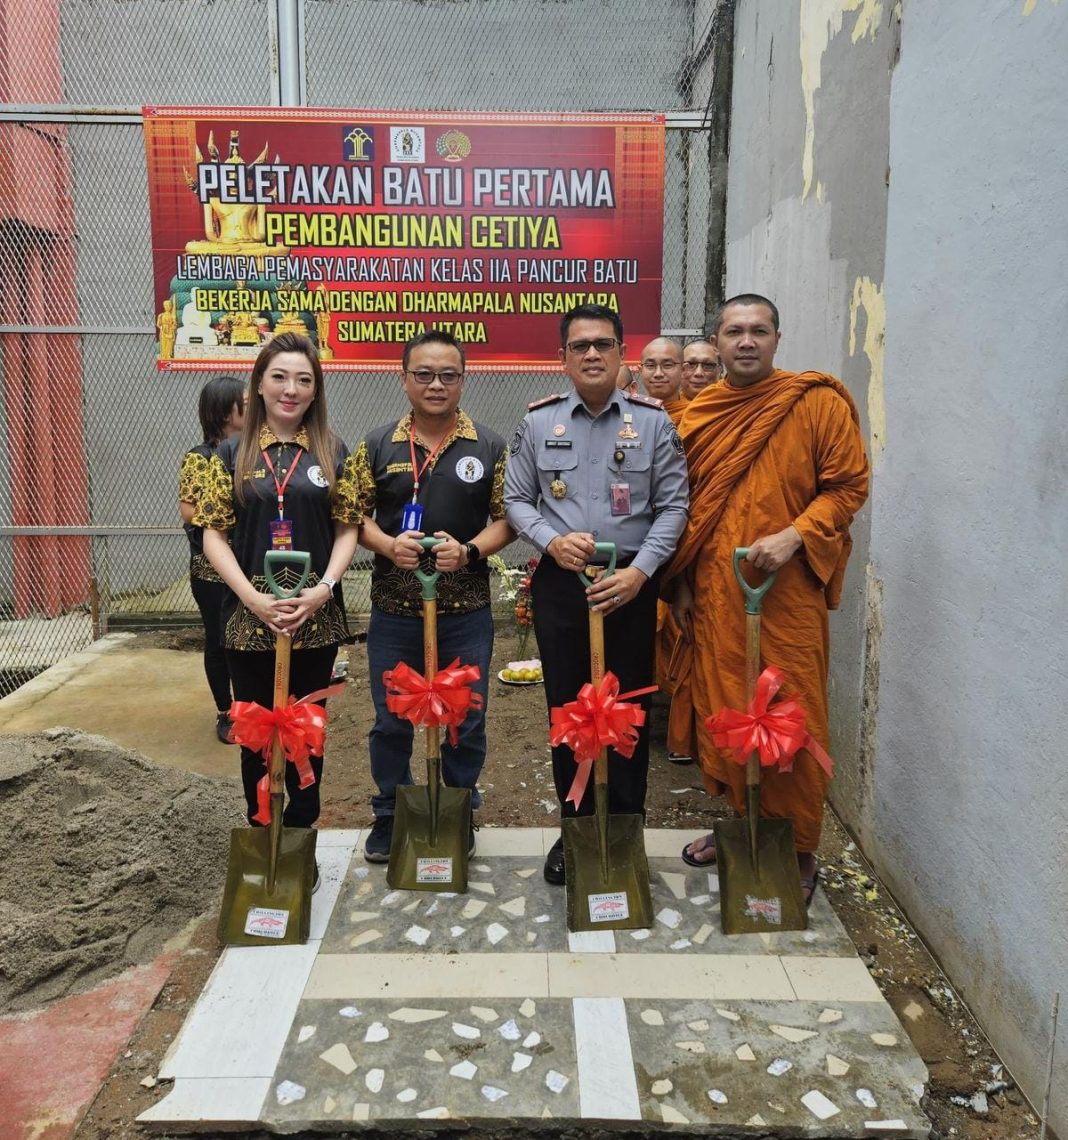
pixel 674 657
pixel 786 450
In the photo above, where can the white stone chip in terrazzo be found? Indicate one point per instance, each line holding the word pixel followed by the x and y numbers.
pixel 591 941
pixel 819 1105
pixel 607 1086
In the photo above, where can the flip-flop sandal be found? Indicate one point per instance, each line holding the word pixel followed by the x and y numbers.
pixel 708 843
pixel 808 887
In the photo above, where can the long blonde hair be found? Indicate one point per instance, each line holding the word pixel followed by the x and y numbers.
pixel 324 446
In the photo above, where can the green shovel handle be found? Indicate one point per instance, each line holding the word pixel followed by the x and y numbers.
pixel 608 548
pixel 275 558
pixel 754 595
pixel 428 579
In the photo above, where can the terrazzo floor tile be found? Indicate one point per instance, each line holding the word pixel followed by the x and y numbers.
pixel 483 1008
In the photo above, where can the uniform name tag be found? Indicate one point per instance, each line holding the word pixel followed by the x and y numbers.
pixel 412 518
pixel 565 443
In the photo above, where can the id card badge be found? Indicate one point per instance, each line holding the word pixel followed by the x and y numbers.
pixel 281 534
pixel 412 518
pixel 620 496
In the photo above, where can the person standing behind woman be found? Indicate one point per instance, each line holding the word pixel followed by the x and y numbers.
pixel 284 483
pixel 222 412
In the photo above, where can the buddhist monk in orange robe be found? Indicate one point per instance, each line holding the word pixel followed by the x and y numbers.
pixel 661 376
pixel 777 464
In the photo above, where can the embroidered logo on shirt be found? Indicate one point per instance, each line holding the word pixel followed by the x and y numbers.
pixel 316 476
pixel 470 469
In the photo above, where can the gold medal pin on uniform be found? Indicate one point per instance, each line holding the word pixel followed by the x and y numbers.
pixel 558 488
pixel 627 431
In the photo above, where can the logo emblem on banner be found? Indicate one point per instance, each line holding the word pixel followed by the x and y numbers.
pixel 359 143
pixel 453 146
pixel 407 144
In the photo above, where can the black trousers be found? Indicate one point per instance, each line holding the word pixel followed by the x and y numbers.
pixel 209 598
pixel 561 623
pixel 252 674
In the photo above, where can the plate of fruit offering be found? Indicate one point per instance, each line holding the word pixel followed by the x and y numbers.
pixel 521 673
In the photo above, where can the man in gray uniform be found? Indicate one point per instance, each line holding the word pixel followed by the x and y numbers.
pixel 596 465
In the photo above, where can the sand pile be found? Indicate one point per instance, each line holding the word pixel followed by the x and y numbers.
pixel 104 856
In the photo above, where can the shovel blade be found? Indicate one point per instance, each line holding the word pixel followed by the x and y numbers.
pixel 618 900
pixel 254 915
pixel 764 897
pixel 427 858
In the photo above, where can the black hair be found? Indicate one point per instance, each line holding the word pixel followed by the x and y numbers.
pixel 434 336
pixel 217 400
pixel 744 299
pixel 590 313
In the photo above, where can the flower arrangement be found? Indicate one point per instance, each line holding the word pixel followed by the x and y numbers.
pixel 515 588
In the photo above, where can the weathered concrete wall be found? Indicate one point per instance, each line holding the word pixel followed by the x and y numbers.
pixel 806 207
pixel 948 677
pixel 970 516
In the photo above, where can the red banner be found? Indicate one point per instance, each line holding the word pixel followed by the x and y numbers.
pixel 362 229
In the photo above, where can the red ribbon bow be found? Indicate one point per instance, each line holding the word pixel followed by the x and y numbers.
pixel 775 734
pixel 300 726
pixel 598 718
pixel 441 702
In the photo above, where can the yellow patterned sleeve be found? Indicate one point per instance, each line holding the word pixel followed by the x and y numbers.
pixel 346 505
pixel 191 477
pixel 497 494
pixel 363 482
pixel 215 500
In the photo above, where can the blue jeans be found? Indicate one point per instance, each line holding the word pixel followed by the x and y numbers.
pixel 392 639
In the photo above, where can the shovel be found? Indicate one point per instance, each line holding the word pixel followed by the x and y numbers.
pixel 432 828
pixel 759 881
pixel 605 868
pixel 267 897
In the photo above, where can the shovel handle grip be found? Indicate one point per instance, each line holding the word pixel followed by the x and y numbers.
pixel 608 548
pixel 279 558
pixel 428 579
pixel 754 595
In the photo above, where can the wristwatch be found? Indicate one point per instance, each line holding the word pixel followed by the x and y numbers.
pixel 329 582
pixel 473 554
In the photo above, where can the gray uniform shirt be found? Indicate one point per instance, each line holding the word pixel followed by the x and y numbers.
pixel 631 444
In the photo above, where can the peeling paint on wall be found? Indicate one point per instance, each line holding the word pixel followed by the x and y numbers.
pixel 1030 5
pixel 869 297
pixel 869 714
pixel 821 21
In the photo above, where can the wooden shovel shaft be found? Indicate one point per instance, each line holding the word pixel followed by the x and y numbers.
pixel 752 671
pixel 600 765
pixel 283 648
pixel 433 732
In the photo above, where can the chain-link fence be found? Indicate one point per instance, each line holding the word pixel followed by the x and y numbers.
pixel 89 535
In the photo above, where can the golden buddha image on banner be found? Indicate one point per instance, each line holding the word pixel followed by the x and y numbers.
pixel 360 229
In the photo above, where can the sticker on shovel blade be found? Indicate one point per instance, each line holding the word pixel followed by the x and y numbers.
pixel 770 910
pixel 433 870
pixel 264 922
pixel 608 906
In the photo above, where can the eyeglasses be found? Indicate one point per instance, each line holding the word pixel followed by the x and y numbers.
pixel 602 344
pixel 428 376
pixel 663 365
pixel 701 366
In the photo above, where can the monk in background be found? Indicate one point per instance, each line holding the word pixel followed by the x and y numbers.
pixel 661 374
pixel 700 367
pixel 777 464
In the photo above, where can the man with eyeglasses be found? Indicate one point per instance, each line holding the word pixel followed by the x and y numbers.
pixel 700 367
pixel 777 465
pixel 590 465
pixel 661 367
pixel 432 472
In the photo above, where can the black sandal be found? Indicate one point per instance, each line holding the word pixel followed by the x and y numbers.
pixel 708 842
pixel 808 887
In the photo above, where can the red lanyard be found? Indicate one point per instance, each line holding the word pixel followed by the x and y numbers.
pixel 418 472
pixel 281 487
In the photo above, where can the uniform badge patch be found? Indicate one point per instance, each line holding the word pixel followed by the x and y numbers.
pixel 517 439
pixel 676 442
pixel 316 476
pixel 469 469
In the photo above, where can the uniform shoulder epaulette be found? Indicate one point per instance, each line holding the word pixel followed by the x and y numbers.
pixel 545 400
pixel 648 401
